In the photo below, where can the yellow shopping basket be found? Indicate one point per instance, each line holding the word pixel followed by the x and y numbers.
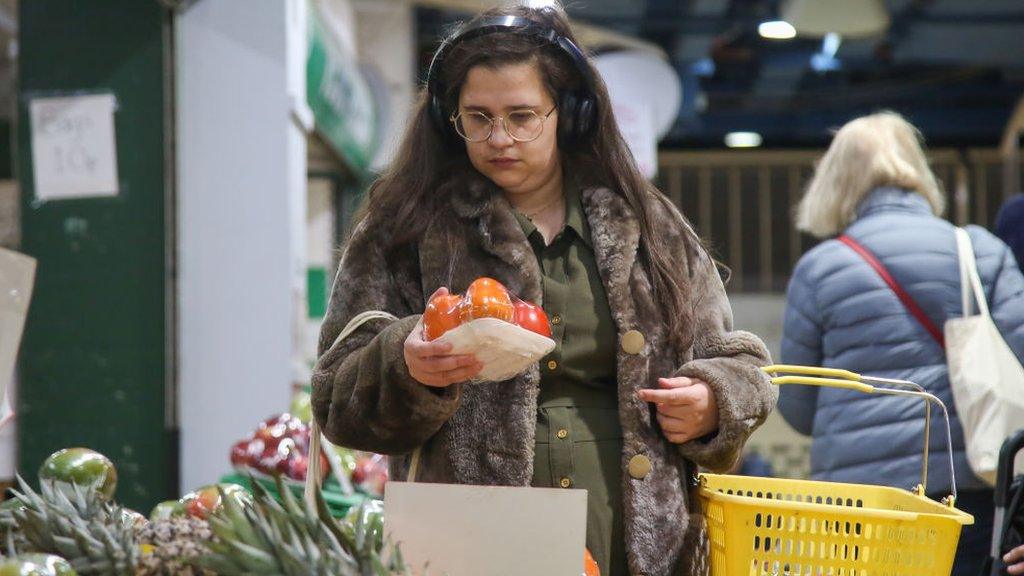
pixel 768 526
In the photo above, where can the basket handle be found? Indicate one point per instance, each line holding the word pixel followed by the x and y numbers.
pixel 844 379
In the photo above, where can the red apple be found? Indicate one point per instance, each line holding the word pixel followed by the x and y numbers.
pixel 274 459
pixel 240 453
pixel 298 466
pixel 280 426
pixel 207 500
pixel 201 503
pixel 371 473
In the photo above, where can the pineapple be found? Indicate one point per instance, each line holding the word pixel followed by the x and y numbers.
pixel 288 538
pixel 170 546
pixel 95 536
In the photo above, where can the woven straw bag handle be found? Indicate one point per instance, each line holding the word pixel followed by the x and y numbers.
pixel 313 472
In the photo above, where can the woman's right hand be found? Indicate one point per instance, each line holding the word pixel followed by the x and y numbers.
pixel 430 362
pixel 1014 560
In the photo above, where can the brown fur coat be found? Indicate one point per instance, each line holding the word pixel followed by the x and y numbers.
pixel 364 397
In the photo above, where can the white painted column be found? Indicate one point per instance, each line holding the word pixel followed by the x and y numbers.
pixel 241 165
pixel 386 36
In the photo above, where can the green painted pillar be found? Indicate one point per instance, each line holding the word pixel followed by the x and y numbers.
pixel 96 351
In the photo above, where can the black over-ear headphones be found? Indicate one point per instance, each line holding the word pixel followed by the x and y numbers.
pixel 576 109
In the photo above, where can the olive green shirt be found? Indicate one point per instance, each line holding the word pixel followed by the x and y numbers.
pixel 579 438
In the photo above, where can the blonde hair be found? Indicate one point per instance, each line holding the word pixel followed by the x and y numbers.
pixel 881 149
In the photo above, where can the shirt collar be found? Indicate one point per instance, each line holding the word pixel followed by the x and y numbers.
pixel 574 216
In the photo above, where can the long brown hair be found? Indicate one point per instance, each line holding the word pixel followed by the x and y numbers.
pixel 425 170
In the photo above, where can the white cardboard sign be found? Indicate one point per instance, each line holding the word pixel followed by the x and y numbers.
pixel 74 152
pixel 17 276
pixel 463 530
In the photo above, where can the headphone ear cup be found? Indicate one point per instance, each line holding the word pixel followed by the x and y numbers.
pixel 576 117
pixel 440 121
pixel 586 117
pixel 567 121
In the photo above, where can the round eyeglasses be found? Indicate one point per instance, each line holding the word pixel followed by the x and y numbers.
pixel 521 125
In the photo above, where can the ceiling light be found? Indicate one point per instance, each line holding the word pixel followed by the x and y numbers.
pixel 742 139
pixel 830 44
pixel 705 67
pixel 852 18
pixel 777 30
pixel 540 3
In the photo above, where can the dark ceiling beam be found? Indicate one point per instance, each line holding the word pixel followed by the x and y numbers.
pixel 656 22
pixel 683 25
pixel 658 11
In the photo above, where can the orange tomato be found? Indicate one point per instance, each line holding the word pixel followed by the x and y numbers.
pixel 589 564
pixel 441 315
pixel 487 298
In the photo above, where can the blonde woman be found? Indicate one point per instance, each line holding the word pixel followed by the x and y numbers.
pixel 874 186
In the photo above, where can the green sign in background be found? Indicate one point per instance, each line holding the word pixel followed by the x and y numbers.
pixel 342 102
pixel 94 355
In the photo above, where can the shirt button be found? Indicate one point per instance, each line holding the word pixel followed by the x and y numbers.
pixel 563 433
pixel 552 365
pixel 556 319
pixel 565 482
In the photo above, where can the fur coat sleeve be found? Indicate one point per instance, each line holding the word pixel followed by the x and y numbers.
pixel 730 362
pixel 363 396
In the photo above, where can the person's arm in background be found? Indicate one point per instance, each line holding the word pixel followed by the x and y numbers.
pixel 1006 303
pixel 801 345
pixel 1017 557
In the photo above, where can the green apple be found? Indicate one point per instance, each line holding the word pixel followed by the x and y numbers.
pixel 168 509
pixel 300 406
pixel 35 565
pixel 371 514
pixel 348 459
pixel 80 466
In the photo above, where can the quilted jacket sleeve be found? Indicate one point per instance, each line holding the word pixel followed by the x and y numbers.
pixel 363 396
pixel 801 344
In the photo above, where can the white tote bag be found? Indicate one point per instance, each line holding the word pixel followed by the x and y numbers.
pixel 986 378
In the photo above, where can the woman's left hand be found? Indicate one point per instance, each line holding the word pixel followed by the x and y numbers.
pixel 687 408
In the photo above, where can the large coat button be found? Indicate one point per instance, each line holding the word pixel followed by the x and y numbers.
pixel 632 342
pixel 639 466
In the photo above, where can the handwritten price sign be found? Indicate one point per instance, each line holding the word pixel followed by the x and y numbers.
pixel 73 146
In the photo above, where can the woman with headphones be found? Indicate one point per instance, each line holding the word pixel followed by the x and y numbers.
pixel 512 167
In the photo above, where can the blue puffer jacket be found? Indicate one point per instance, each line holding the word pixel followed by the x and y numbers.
pixel 840 314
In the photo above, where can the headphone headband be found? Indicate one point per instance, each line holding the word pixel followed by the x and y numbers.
pixel 579 118
pixel 494 24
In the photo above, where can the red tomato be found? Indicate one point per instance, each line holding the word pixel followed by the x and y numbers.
pixel 441 315
pixel 532 317
pixel 589 564
pixel 487 298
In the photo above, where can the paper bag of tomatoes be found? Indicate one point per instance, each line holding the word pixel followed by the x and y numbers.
pixel 505 334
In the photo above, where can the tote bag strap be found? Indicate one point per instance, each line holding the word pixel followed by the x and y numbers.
pixel 905 298
pixel 313 471
pixel 970 281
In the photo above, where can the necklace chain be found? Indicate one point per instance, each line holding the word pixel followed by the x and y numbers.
pixel 542 208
